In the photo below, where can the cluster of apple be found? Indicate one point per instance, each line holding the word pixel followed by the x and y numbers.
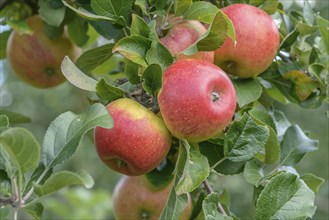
pixel 197 101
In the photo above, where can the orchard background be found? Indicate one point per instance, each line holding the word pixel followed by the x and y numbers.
pixel 35 109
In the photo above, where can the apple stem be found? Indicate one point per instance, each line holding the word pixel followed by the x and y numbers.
pixel 214 96
pixel 209 191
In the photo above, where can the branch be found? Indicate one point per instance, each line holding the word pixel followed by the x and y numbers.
pixel 209 191
pixel 284 57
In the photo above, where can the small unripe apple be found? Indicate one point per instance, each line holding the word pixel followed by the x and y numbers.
pixel 134 198
pixel 182 35
pixel 137 142
pixel 258 41
pixel 197 100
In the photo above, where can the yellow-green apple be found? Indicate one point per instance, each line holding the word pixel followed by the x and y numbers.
pixel 197 99
pixel 258 41
pixel 134 198
pixel 36 58
pixel 138 141
pixel 182 35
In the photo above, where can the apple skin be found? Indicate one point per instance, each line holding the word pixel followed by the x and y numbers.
pixel 258 41
pixel 36 58
pixel 197 100
pixel 182 35
pixel 138 141
pixel 135 198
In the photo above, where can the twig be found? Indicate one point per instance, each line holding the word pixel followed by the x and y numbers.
pixel 209 191
pixel 284 57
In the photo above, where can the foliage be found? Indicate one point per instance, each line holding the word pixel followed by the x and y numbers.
pixel 260 144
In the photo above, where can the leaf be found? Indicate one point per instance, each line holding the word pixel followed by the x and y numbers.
pixel 76 77
pixel 118 11
pixel 245 139
pixel 253 172
pixel 162 175
pixel 323 27
pixel 66 131
pixel 289 198
pixel 312 181
pixel 36 174
pixel 196 169
pixel 159 54
pixel 77 29
pixel 108 92
pixel 209 206
pixel 247 91
pixel 308 13
pixel 281 123
pixel 180 6
pixel 295 145
pixel 35 210
pixel 152 78
pixel 305 29
pixel 63 179
pixel 142 5
pixel 4 121
pixel 270 6
pixel 4 35
pixel 92 58
pixel 20 26
pixel 302 85
pixel 202 11
pixel 133 48
pixel 14 117
pixel 289 39
pixel 22 147
pixel 139 27
pixel 52 12
pixel 131 71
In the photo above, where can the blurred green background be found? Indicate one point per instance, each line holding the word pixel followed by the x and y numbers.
pixel 43 106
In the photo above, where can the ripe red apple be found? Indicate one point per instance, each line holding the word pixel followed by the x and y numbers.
pixel 35 58
pixel 135 198
pixel 258 41
pixel 197 99
pixel 138 141
pixel 182 35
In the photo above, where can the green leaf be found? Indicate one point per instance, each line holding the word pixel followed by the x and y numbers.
pixel 118 11
pixel 20 26
pixel 63 179
pixel 35 210
pixel 256 2
pixel 323 27
pixel 131 71
pixel 78 28
pixel 108 92
pixel 139 27
pixel 14 117
pixel 285 197
pixel 302 85
pixel 253 172
pixel 196 169
pixel 152 78
pixel 245 139
pixel 295 145
pixel 308 13
pixel 312 181
pixel 180 6
pixel 4 35
pixel 162 175
pixel 133 48
pixel 22 147
pixel 76 77
pixel 52 12
pixel 270 6
pixel 66 131
pixel 305 29
pixel 281 123
pixel 247 91
pixel 92 58
pixel 4 121
pixel 159 54
pixel 142 5
pixel 209 206
pixel 289 39
pixel 202 11
pixel 36 174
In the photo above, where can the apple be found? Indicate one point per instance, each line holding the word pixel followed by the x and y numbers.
pixel 135 198
pixel 257 38
pixel 138 141
pixel 36 58
pixel 197 99
pixel 182 35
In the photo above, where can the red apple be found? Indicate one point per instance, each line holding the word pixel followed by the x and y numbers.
pixel 258 41
pixel 138 141
pixel 135 198
pixel 182 35
pixel 35 58
pixel 197 99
